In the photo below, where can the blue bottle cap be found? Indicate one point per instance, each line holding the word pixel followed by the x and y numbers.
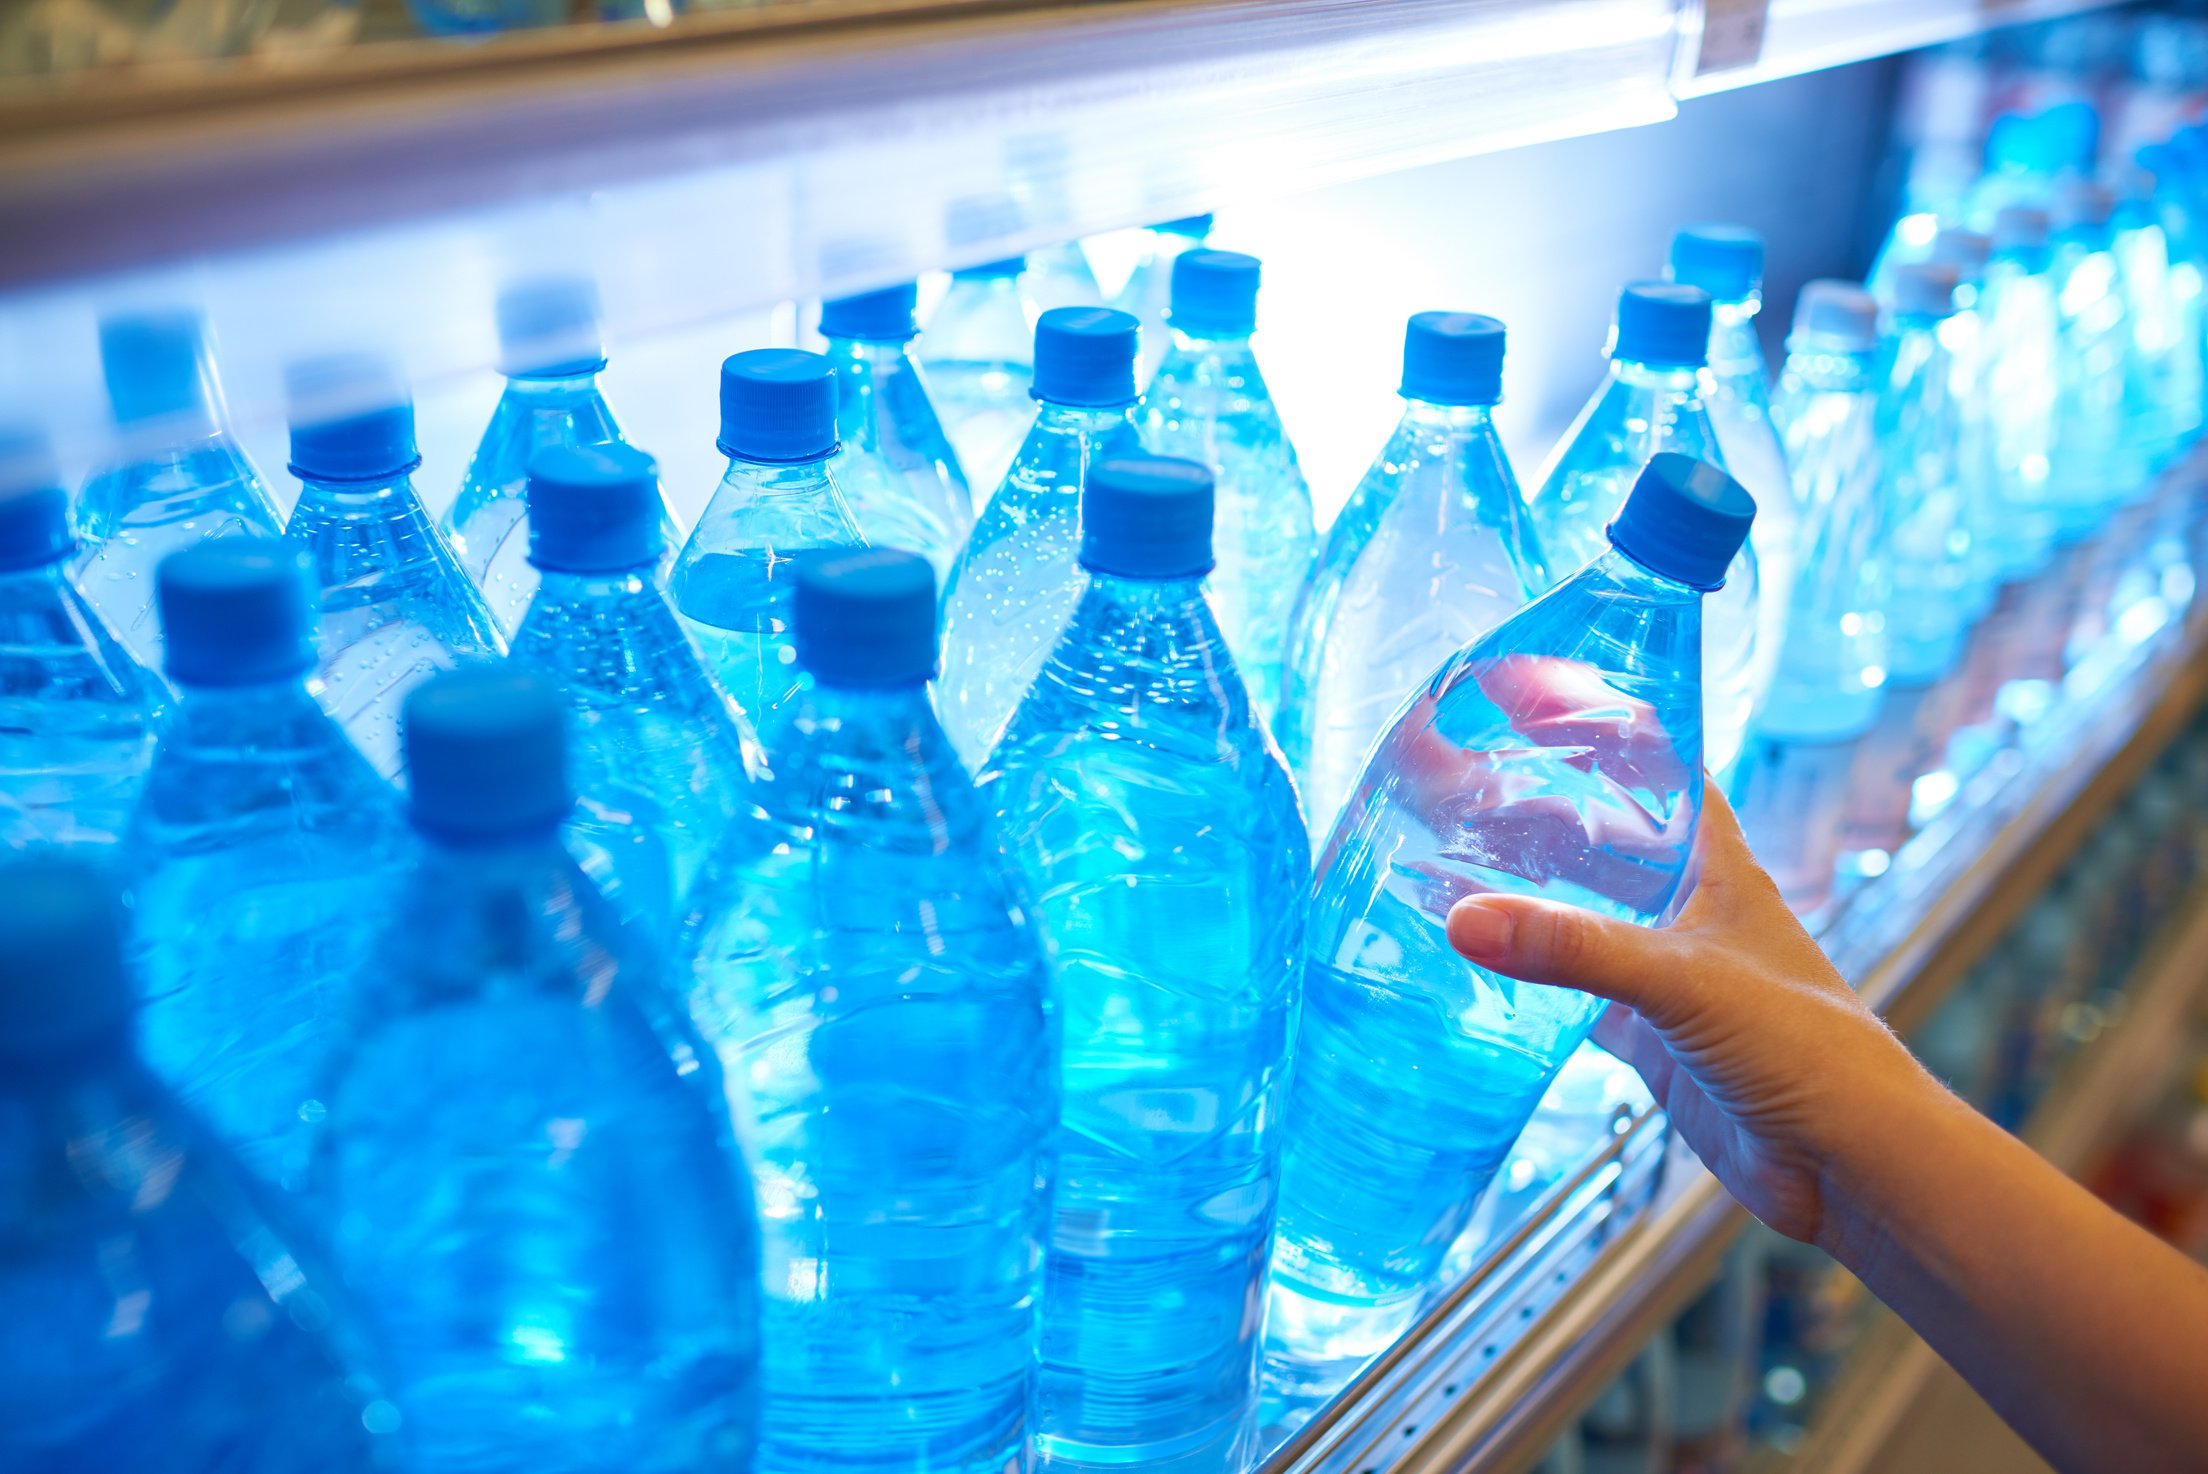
pixel 1684 520
pixel 34 509
pixel 157 368
pixel 865 618
pixel 1214 294
pixel 1663 324
pixel 1195 227
pixel 486 755
pixel 1453 358
pixel 593 509
pixel 352 419
pixel 62 982
pixel 1085 357
pixel 778 405
pixel 1010 266
pixel 1147 516
pixel 1840 314
pixel 548 329
pixel 1925 288
pixel 237 611
pixel 1724 260
pixel 885 316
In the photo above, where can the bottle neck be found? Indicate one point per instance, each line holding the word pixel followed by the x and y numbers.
pixel 867 355
pixel 552 393
pixel 270 714
pixel 1217 345
pixel 1734 346
pixel 1676 379
pixel 360 497
pixel 1076 419
pixel 563 586
pixel 777 478
pixel 1825 367
pixel 1449 419
pixel 1619 571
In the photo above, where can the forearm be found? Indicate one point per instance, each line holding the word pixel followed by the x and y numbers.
pixel 2085 1333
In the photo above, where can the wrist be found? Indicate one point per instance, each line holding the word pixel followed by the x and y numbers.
pixel 1900 1126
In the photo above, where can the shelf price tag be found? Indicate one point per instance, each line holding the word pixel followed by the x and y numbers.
pixel 1732 35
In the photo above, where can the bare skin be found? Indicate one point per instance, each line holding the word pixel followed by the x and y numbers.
pixel 2086 1333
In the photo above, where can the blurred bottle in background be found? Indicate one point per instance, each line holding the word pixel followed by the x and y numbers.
pixel 897 467
pixel 1158 830
pixel 661 761
pixel 2022 390
pixel 263 851
pixel 1651 402
pixel 979 357
pixel 1060 276
pixel 779 497
pixel 1017 581
pixel 526 1166
pixel 2162 297
pixel 396 605
pixel 182 477
pixel 1147 293
pixel 551 352
pixel 1435 548
pixel 153 1317
pixel 1208 403
pixel 78 715
pixel 862 962
pixel 1558 755
pixel 2095 464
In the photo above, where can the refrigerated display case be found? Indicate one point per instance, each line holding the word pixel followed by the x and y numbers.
pixel 715 173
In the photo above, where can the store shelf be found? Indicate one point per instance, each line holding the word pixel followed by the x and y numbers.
pixel 1904 940
pixel 840 144
pixel 2105 1090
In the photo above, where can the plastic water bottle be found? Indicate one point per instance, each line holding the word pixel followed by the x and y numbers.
pixel 1727 262
pixel 551 354
pixel 897 468
pixel 182 477
pixel 979 356
pixel 78 715
pixel 1157 827
pixel 2097 463
pixel 1435 548
pixel 865 969
pixel 1964 335
pixel 661 760
pixel 526 1167
pixel 1208 403
pixel 396 606
pixel 152 1317
pixel 1560 755
pixel 1015 585
pixel 262 851
pixel 2162 296
pixel 2022 390
pixel 1652 403
pixel 1147 294
pixel 1929 491
pixel 779 497
pixel 1832 668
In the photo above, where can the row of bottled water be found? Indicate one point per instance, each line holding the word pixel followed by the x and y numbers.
pixel 862 985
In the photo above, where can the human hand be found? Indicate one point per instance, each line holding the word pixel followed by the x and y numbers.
pixel 1772 1069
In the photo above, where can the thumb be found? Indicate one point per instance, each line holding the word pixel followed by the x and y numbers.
pixel 1548 942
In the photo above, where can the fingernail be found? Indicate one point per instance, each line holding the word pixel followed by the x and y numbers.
pixel 1481 933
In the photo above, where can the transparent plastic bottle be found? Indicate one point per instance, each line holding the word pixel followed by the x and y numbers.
pixel 897 467
pixel 1651 403
pixel 182 478
pixel 1147 294
pixel 2096 465
pixel 1435 548
pixel 1559 755
pixel 2162 297
pixel 778 498
pixel 263 850
pixel 1964 335
pixel 1158 829
pixel 1928 491
pixel 865 968
pixel 1832 669
pixel 1727 262
pixel 2022 388
pixel 526 1166
pixel 396 606
pixel 551 354
pixel 78 715
pixel 153 1317
pixel 661 759
pixel 1208 403
pixel 979 357
pixel 1015 585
